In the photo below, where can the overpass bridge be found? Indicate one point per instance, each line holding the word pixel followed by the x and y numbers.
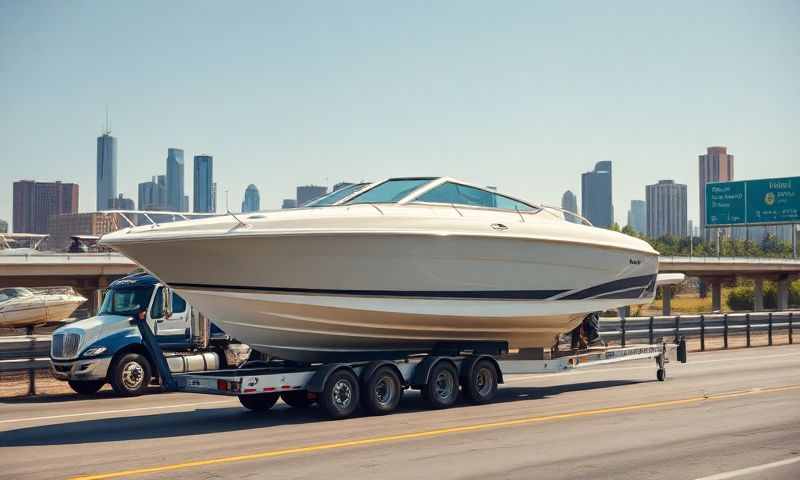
pixel 717 270
pixel 90 273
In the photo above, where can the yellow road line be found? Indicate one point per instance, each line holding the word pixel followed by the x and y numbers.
pixel 433 433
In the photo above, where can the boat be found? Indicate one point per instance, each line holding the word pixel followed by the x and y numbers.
pixel 23 307
pixel 21 243
pixel 405 265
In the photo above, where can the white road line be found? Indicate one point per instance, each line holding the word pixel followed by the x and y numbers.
pixel 590 370
pixel 749 470
pixel 123 410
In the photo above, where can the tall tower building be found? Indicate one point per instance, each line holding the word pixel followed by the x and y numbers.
pixel 306 193
pixel 570 204
pixel 106 170
pixel 35 202
pixel 637 216
pixel 175 179
pixel 204 183
pixel 252 199
pixel 666 209
pixel 715 166
pixel 596 202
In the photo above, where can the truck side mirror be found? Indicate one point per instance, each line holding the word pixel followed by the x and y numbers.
pixel 167 302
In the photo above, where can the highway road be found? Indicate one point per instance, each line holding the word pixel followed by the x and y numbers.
pixel 726 414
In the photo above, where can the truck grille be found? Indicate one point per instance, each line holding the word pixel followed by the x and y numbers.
pixel 65 345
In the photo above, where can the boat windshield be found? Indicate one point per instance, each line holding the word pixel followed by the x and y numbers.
pixel 335 196
pixel 390 191
pixel 9 293
pixel 454 193
pixel 127 301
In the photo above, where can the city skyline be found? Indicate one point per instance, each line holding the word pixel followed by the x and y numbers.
pixel 371 102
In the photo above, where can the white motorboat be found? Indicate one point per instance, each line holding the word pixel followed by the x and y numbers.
pixel 21 243
pixel 23 307
pixel 402 266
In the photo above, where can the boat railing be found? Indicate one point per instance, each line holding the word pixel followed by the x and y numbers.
pixel 574 215
pixel 135 218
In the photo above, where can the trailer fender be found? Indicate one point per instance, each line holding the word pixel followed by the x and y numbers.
pixel 317 383
pixel 374 366
pixel 423 371
pixel 469 363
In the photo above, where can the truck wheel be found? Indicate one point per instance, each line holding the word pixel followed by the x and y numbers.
pixel 481 386
pixel 297 399
pixel 441 391
pixel 130 374
pixel 86 387
pixel 339 398
pixel 382 391
pixel 259 402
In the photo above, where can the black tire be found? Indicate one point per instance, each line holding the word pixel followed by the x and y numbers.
pixel 481 385
pixel 339 398
pixel 441 391
pixel 259 402
pixel 297 399
pixel 130 374
pixel 86 387
pixel 381 392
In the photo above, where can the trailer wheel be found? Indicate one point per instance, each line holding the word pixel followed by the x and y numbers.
pixel 382 391
pixel 259 402
pixel 297 399
pixel 130 374
pixel 481 386
pixel 86 387
pixel 339 398
pixel 441 391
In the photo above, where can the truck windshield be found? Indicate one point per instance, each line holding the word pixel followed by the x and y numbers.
pixel 126 301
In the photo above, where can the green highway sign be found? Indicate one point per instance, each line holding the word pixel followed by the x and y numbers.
pixel 764 201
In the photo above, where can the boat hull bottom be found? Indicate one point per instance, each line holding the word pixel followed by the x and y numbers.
pixel 315 328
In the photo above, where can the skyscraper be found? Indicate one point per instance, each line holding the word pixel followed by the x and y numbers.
pixel 106 170
pixel 153 194
pixel 637 216
pixel 596 202
pixel 289 203
pixel 203 183
pixel 3 226
pixel 252 199
pixel 35 202
pixel 306 193
pixel 715 166
pixel 570 204
pixel 666 209
pixel 175 179
pixel 121 203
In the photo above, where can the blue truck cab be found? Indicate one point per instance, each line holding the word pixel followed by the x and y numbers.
pixel 108 348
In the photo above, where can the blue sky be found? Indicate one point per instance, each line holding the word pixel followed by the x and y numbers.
pixel 524 95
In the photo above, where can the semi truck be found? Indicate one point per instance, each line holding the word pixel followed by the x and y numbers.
pixel 109 347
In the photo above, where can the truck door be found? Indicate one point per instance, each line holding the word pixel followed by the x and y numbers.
pixel 172 331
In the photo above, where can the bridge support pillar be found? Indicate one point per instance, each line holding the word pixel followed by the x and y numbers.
pixel 716 295
pixel 758 294
pixel 666 299
pixel 783 293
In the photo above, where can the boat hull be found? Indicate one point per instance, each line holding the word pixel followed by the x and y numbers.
pixel 39 311
pixel 329 297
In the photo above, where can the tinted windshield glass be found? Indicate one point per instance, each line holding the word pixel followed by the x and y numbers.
pixel 390 191
pixel 126 302
pixel 463 195
pixel 335 196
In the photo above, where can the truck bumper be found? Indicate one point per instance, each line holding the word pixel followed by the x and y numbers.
pixel 81 369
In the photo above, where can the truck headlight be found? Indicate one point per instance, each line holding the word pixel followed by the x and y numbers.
pixel 93 352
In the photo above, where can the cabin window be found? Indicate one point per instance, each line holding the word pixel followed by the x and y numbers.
pixel 457 194
pixel 390 191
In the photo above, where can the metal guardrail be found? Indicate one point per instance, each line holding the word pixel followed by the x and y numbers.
pixel 701 326
pixel 31 352
pixel 727 260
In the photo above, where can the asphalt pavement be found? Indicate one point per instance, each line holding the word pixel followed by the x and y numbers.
pixel 725 414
